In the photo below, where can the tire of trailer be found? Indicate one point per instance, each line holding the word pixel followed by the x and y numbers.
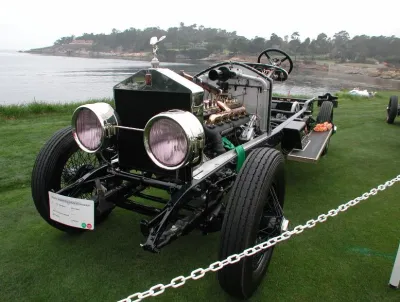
pixel 325 113
pixel 47 173
pixel 326 148
pixel 392 109
pixel 262 170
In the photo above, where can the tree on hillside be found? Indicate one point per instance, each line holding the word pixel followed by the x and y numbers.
pixel 274 41
pixel 295 36
pixel 239 45
pixel 257 45
pixel 341 45
pixel 201 40
pixel 64 40
pixel 305 46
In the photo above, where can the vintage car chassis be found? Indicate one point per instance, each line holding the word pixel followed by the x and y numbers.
pixel 214 144
pixel 209 184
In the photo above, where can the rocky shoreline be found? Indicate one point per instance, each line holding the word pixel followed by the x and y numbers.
pixel 50 51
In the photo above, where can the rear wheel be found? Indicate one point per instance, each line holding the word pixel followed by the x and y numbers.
pixel 325 114
pixel 392 109
pixel 59 163
pixel 254 214
pixel 326 148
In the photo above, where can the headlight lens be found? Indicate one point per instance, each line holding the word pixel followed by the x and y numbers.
pixel 92 126
pixel 173 139
pixel 168 142
pixel 88 130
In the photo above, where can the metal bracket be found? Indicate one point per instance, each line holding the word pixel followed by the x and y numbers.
pixel 104 205
pixel 284 225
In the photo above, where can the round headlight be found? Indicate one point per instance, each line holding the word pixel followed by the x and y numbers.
pixel 174 139
pixel 92 126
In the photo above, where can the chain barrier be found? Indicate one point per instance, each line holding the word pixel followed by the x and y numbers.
pixel 216 266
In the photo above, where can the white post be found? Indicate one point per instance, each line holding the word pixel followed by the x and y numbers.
pixel 395 278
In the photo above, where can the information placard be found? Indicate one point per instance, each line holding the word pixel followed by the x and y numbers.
pixel 74 212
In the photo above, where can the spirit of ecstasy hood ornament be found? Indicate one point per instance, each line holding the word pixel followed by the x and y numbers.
pixel 154 41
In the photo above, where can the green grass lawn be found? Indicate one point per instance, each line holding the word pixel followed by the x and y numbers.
pixel 348 258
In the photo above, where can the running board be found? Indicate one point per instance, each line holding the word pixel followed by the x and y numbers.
pixel 313 148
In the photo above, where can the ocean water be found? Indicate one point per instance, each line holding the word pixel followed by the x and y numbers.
pixel 26 77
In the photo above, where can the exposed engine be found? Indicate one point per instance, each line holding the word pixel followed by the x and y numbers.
pixel 225 116
pixel 226 119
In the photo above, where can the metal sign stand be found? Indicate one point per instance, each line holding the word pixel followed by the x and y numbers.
pixel 395 277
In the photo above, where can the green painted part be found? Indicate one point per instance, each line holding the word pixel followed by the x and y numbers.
pixel 239 150
pixel 227 143
pixel 241 157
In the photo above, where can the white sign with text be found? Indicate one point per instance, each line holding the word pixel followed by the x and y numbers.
pixel 74 212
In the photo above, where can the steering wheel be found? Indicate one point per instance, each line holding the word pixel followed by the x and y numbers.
pixel 276 73
pixel 277 61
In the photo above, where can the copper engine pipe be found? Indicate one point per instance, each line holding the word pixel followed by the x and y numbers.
pixel 210 88
pixel 226 114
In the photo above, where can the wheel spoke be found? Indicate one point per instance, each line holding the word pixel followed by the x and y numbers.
pixel 276 203
pixel 269 58
pixel 269 224
pixel 77 165
pixel 267 231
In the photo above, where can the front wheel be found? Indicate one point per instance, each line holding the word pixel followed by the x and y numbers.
pixel 254 214
pixel 59 163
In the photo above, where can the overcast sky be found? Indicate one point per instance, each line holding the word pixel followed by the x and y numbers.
pixel 28 24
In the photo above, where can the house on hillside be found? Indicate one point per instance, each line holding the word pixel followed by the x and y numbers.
pixel 82 42
pixel 197 45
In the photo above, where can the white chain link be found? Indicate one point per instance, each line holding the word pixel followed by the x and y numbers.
pixel 216 266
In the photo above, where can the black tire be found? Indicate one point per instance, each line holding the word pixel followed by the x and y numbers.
pixel 47 174
pixel 325 113
pixel 392 109
pixel 262 170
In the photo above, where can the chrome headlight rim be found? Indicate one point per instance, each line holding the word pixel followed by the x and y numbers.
pixel 192 128
pixel 107 118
